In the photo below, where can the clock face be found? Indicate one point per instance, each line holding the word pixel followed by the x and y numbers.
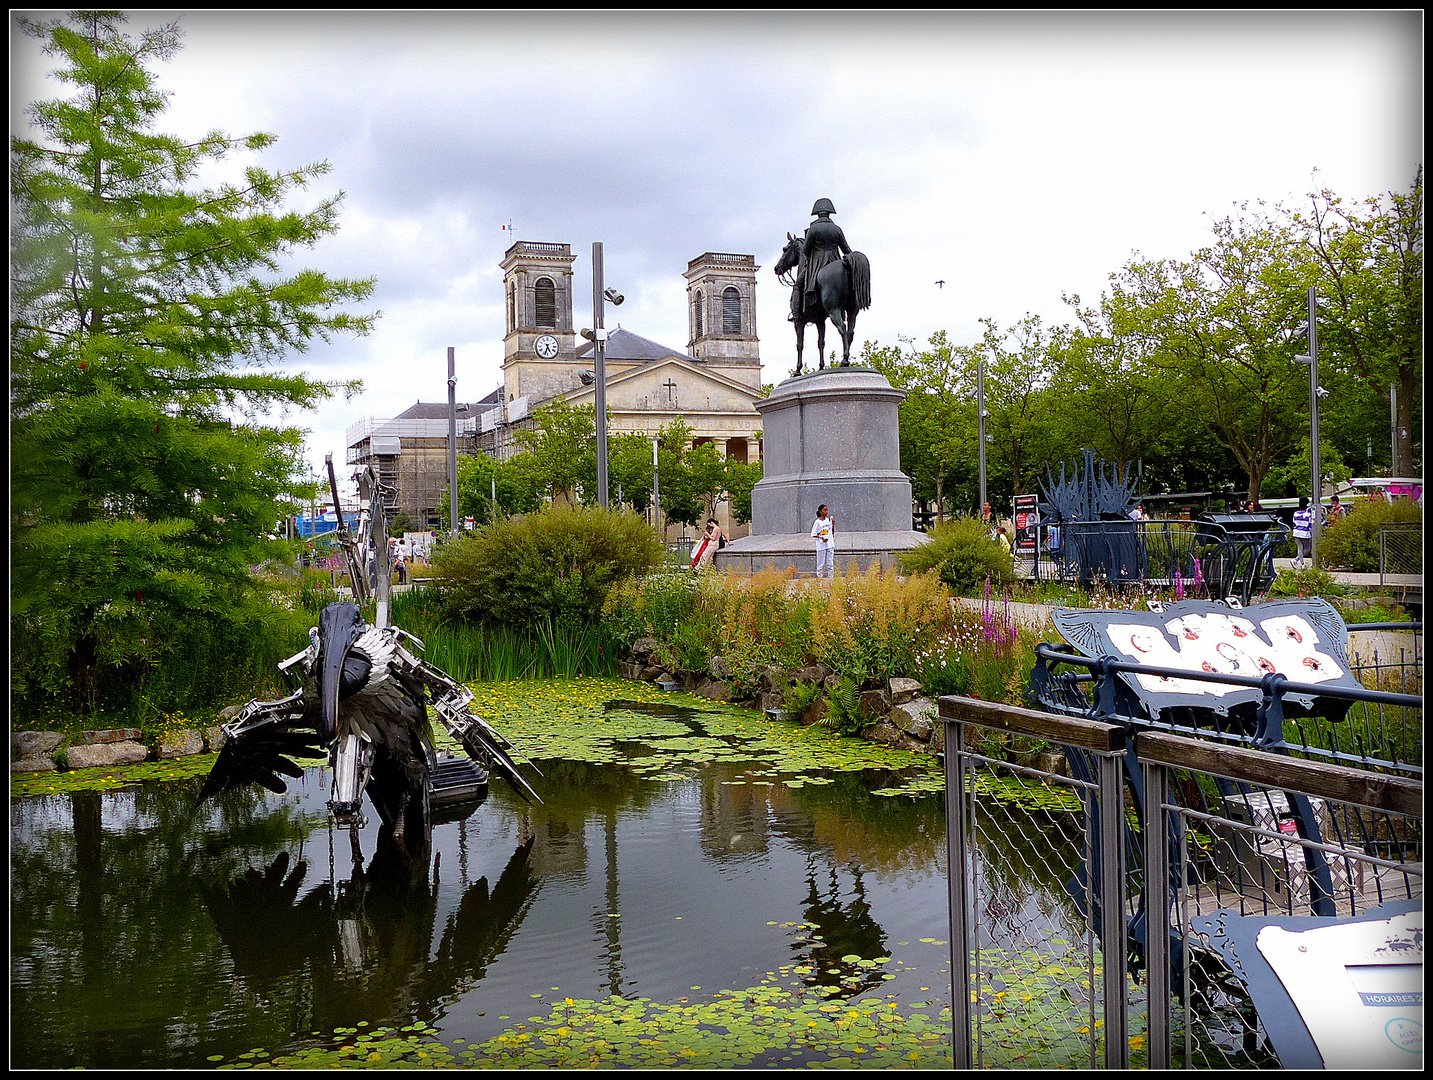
pixel 547 346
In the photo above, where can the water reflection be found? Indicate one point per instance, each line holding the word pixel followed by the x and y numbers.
pixel 148 934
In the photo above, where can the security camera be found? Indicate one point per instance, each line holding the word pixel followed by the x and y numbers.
pixel 1320 393
pixel 613 297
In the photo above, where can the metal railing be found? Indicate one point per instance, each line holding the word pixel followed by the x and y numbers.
pixel 1400 549
pixel 1177 849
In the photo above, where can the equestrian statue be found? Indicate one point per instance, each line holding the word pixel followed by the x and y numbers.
pixel 830 282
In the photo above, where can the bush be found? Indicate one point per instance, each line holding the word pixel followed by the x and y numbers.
pixel 1351 543
pixel 558 564
pixel 964 556
pixel 1310 581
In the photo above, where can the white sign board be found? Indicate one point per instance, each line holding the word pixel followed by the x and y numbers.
pixel 1358 987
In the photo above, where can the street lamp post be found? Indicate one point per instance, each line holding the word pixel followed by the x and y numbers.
pixel 452 444
pixel 980 425
pixel 1315 393
pixel 601 296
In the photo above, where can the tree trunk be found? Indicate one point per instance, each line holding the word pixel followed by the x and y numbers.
pixel 1403 441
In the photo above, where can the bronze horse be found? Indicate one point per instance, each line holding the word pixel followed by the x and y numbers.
pixel 845 289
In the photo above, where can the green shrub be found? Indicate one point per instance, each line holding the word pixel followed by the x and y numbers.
pixel 964 556
pixel 798 698
pixel 558 564
pixel 1310 581
pixel 1351 543
pixel 843 712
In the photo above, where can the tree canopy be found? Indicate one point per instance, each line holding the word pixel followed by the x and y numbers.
pixel 147 317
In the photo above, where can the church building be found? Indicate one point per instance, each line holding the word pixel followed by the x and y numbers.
pixel 712 385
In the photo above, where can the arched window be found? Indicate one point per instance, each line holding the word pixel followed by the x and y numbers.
pixel 546 296
pixel 698 302
pixel 730 310
pixel 512 308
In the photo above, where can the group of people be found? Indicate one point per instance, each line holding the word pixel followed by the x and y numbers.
pixel 823 531
pixel 1304 525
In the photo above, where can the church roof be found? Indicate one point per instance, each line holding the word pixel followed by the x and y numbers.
pixel 625 345
pixel 432 410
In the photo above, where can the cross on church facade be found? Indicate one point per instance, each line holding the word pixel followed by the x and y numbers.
pixel 671 391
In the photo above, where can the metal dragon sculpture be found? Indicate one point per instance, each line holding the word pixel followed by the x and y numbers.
pixel 362 693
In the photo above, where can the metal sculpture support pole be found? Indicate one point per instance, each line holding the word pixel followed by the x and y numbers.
pixel 452 444
pixel 656 506
pixel 599 354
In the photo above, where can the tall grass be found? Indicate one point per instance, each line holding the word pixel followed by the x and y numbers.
pixel 477 652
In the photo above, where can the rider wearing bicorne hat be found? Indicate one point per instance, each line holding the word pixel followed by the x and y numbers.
pixel 824 244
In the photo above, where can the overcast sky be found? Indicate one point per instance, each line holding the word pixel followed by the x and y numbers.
pixel 1014 156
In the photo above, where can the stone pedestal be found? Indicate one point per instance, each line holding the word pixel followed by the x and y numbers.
pixel 828 437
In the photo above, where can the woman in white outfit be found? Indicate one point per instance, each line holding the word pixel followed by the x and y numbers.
pixel 824 531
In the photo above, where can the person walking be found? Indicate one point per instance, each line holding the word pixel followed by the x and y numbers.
pixel 824 532
pixel 1304 531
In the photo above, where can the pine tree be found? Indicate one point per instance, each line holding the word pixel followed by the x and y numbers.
pixel 147 317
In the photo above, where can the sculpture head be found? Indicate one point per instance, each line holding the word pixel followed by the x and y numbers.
pixel 823 206
pixel 339 626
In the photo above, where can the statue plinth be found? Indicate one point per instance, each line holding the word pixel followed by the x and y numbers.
pixel 829 437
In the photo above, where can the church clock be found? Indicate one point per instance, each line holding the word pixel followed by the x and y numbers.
pixel 546 347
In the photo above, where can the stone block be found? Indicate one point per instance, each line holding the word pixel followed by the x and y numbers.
pixel 772 678
pixel 182 742
pixel 874 703
pixel 108 735
pixel 32 764
pixel 214 738
pixel 31 744
pixel 651 673
pixel 714 689
pixel 815 712
pixel 902 690
pixel 91 755
pixel 690 680
pixel 816 673
pixel 917 717
pixel 644 646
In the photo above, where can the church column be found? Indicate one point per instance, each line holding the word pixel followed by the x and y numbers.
pixel 720 445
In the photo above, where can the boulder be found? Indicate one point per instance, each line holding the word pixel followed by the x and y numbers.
pixel 34 744
pixel 651 673
pixel 917 717
pixel 772 678
pixel 182 742
pixel 884 732
pixel 229 712
pixel 32 764
pixel 830 682
pixel 214 738
pixel 814 674
pixel 644 646
pixel 96 754
pixel 690 680
pixel 937 737
pixel 874 704
pixel 815 712
pixel 913 744
pixel 902 690
pixel 108 735
pixel 714 689
pixel 717 669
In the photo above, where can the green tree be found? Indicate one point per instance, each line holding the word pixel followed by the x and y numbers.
pixel 1370 281
pixel 146 315
pixel 682 500
pixel 741 477
pixel 563 442
pixel 629 469
pixel 1017 396
pixel 1219 321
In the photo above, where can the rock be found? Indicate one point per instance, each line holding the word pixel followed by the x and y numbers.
pixel 772 678
pixel 115 753
pixel 32 764
pixel 651 673
pixel 771 700
pixel 937 738
pixel 874 703
pixel 644 646
pixel 229 712
pixel 815 712
pixel 814 674
pixel 690 680
pixel 714 689
pixel 629 669
pixel 884 732
pixel 182 742
pixel 1052 763
pixel 917 717
pixel 31 744
pixel 717 668
pixel 214 738
pixel 913 744
pixel 902 690
pixel 108 735
pixel 830 682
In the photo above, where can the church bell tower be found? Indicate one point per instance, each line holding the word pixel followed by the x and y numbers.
pixel 539 348
pixel 721 314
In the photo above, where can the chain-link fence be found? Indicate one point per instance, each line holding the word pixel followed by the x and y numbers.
pixel 1101 893
pixel 1267 947
pixel 1400 549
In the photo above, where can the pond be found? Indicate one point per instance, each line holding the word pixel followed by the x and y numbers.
pixel 696 889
